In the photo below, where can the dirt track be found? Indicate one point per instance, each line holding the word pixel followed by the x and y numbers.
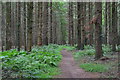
pixel 69 69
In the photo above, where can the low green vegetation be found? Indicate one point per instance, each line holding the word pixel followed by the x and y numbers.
pixel 68 47
pixel 85 58
pixel 118 48
pixel 90 51
pixel 94 67
pixel 88 47
pixel 106 49
pixel 41 62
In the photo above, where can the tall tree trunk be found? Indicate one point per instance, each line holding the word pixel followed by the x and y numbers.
pixel 98 30
pixel 35 24
pixel 79 25
pixel 18 26
pixel 117 23
pixel 8 26
pixel 51 37
pixel 0 26
pixel 25 24
pixel 63 30
pixel 75 23
pixel 15 24
pixel 22 25
pixel 114 26
pixel 82 26
pixel 71 35
pixel 90 39
pixel 55 29
pixel 29 25
pixel 40 23
pixel 45 28
pixel 72 26
pixel 3 26
pixel 109 23
pixel 106 26
pixel 85 22
pixel 12 25
pixel 69 26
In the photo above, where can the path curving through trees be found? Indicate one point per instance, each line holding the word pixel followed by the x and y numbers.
pixel 69 69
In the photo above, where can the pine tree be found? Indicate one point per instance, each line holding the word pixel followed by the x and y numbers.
pixel 51 22
pixel 98 30
pixel 8 25
pixel 18 26
pixel 79 25
pixel 45 22
pixel 40 24
pixel 29 25
pixel 114 26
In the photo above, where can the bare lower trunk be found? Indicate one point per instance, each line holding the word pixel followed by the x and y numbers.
pixel 29 25
pixel 106 26
pixel 79 25
pixel 18 26
pixel 40 24
pixel 45 28
pixel 109 23
pixel 0 26
pixel 51 11
pixel 82 26
pixel 98 30
pixel 114 26
pixel 8 26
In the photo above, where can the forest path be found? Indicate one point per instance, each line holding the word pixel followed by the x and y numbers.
pixel 69 68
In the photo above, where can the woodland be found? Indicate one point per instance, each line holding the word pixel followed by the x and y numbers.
pixel 59 40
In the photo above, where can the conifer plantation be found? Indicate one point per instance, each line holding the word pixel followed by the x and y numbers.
pixel 59 40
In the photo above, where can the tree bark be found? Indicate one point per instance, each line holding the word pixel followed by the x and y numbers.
pixel 51 37
pixel 106 25
pixel 18 25
pixel 25 24
pixel 3 26
pixel 0 26
pixel 79 25
pixel 71 29
pixel 75 23
pixel 29 25
pixel 8 25
pixel 45 28
pixel 114 26
pixel 40 23
pixel 12 25
pixel 98 30
pixel 55 29
pixel 109 23
pixel 83 24
pixel 90 40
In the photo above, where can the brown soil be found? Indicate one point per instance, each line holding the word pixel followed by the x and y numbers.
pixel 69 69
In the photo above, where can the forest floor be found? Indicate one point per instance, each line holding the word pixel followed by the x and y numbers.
pixel 111 64
pixel 70 69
